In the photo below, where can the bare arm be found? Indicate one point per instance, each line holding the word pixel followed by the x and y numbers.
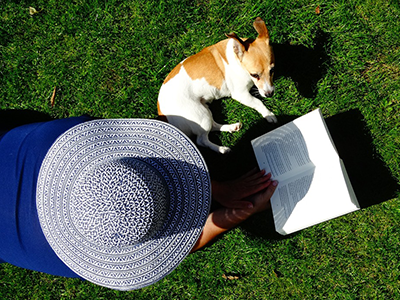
pixel 225 218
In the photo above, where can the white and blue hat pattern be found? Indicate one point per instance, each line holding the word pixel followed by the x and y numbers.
pixel 123 201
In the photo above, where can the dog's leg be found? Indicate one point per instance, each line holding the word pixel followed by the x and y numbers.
pixel 202 140
pixel 226 127
pixel 250 101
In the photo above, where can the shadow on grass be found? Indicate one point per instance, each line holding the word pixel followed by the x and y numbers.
pixel 13 118
pixel 371 179
pixel 305 66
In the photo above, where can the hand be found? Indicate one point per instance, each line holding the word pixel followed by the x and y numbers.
pixel 225 218
pixel 233 194
pixel 261 201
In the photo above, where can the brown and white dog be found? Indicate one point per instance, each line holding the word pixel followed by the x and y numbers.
pixel 227 69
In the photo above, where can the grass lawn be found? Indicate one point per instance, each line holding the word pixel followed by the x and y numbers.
pixel 109 58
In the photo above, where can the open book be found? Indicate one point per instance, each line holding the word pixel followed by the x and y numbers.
pixel 313 182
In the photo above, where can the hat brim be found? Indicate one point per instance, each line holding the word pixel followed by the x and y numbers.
pixel 160 145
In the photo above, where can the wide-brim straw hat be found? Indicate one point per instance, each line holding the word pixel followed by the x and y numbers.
pixel 123 201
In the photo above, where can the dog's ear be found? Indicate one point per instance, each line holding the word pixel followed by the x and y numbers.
pixel 239 46
pixel 261 29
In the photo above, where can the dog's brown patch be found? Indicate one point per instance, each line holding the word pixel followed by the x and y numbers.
pixel 208 64
pixel 173 73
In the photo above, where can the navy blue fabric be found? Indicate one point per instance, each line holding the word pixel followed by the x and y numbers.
pixel 22 151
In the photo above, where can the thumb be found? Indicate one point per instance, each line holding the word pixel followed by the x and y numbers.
pixel 271 189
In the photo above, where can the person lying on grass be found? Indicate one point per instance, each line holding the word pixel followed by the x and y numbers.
pixel 117 202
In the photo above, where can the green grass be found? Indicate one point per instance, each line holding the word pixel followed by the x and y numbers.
pixel 109 58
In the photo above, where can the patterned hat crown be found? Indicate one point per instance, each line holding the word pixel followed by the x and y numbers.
pixel 119 203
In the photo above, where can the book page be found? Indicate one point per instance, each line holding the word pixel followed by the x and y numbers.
pixel 313 185
pixel 317 138
pixel 287 195
pixel 282 152
pixel 327 197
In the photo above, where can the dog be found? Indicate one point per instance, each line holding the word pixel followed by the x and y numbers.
pixel 229 68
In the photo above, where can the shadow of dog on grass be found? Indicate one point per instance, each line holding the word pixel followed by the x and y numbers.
pixel 305 66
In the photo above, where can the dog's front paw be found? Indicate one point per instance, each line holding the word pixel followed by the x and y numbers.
pixel 224 150
pixel 271 118
pixel 235 127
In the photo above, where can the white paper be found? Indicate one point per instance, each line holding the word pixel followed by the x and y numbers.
pixel 313 183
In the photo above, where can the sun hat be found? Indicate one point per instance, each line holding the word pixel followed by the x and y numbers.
pixel 123 201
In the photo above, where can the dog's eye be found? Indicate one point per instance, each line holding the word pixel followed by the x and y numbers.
pixel 256 76
pixel 271 71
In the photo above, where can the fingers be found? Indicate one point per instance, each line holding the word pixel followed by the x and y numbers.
pixel 259 177
pixel 271 189
pixel 262 199
pixel 250 176
pixel 231 194
pixel 259 184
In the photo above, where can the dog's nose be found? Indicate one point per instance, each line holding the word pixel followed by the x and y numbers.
pixel 266 91
pixel 269 93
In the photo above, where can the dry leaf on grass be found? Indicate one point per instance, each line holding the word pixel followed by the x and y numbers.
pixel 53 97
pixel 33 11
pixel 230 277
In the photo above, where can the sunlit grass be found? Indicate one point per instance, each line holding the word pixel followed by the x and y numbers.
pixel 109 59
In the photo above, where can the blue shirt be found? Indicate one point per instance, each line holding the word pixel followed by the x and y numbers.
pixel 22 150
